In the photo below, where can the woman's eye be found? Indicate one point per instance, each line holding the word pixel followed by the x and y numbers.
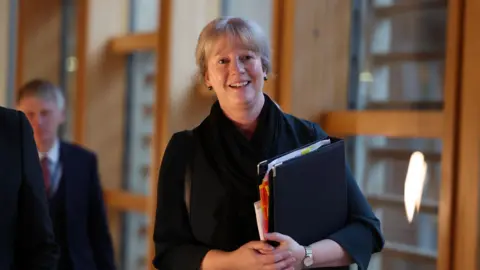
pixel 222 61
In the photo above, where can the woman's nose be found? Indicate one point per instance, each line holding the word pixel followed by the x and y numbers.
pixel 237 66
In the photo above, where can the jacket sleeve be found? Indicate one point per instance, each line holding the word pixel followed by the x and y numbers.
pixel 175 246
pixel 98 230
pixel 362 236
pixel 35 241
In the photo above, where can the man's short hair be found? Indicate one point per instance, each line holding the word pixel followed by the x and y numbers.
pixel 43 89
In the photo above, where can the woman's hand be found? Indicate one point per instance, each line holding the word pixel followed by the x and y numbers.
pixel 258 255
pixel 287 243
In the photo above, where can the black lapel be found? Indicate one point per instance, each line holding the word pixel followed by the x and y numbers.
pixel 66 178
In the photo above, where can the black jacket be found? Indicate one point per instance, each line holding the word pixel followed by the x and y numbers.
pixel 27 240
pixel 86 233
pixel 183 238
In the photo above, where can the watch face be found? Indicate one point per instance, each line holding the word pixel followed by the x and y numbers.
pixel 308 261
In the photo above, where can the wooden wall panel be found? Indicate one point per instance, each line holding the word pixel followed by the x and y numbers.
pixel 467 211
pixel 320 58
pixel 271 87
pixel 452 82
pixel 161 108
pixel 284 57
pixel 394 124
pixel 131 43
pixel 39 30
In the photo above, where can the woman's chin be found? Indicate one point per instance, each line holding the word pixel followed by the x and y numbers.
pixel 242 97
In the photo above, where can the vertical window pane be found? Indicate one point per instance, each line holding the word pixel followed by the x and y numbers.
pixel 380 166
pixel 138 129
pixel 68 65
pixel 139 126
pixel 398 54
pixel 258 11
pixel 144 15
pixel 135 241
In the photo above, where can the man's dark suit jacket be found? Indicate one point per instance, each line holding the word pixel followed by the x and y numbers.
pixel 26 235
pixel 88 237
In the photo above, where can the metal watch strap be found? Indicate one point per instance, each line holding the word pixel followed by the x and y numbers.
pixel 308 260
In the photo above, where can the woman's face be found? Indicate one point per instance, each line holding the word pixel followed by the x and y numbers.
pixel 235 73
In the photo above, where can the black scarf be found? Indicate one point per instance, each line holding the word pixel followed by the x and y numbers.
pixel 235 157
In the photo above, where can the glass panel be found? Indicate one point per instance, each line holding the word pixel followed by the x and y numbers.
pixel 68 65
pixel 139 126
pixel 134 243
pixel 383 3
pixel 144 15
pixel 380 166
pixel 258 11
pixel 138 129
pixel 398 53
pixel 130 248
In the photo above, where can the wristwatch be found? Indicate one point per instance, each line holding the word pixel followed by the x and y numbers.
pixel 308 260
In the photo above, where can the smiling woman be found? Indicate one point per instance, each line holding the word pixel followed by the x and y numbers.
pixel 215 226
pixel 233 60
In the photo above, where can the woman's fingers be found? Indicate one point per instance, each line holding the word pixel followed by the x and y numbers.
pixel 274 257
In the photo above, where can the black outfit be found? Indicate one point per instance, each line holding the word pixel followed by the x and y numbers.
pixel 26 234
pixel 58 213
pixel 78 213
pixel 224 186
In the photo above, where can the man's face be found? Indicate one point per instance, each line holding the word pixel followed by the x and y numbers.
pixel 44 115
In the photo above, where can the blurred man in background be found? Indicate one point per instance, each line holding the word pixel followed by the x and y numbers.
pixel 26 235
pixel 71 182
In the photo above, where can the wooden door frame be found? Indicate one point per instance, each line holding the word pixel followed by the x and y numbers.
pixel 467 173
pixel 450 135
pixel 162 112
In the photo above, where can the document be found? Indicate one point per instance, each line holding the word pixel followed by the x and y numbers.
pixel 260 220
pixel 262 206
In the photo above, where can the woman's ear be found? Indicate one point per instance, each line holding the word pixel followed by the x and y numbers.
pixel 207 81
pixel 206 78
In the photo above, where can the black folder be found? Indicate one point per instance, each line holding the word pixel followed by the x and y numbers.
pixel 308 194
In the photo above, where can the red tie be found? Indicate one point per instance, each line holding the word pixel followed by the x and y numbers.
pixel 46 173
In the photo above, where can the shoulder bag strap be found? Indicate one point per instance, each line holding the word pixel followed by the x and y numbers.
pixel 188 168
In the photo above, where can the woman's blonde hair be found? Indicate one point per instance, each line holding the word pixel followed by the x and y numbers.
pixel 248 32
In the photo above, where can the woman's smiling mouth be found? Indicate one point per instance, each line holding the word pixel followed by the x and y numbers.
pixel 239 84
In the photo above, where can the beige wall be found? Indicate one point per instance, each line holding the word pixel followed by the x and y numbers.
pixel 101 77
pixel 39 30
pixel 187 106
pixel 4 17
pixel 105 87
